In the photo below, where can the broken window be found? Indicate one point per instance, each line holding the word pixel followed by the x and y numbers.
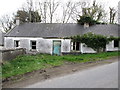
pixel 116 43
pixel 33 44
pixel 76 46
pixel 17 43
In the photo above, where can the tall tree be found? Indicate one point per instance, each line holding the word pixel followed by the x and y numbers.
pixel 71 11
pixel 43 11
pixel 95 11
pixel 67 11
pixel 23 15
pixel 26 17
pixel 29 13
pixel 52 6
pixel 112 14
pixel 35 17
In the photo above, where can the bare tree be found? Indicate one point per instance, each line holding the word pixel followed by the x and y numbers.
pixel 67 11
pixel 112 14
pixel 30 8
pixel 7 23
pixel 52 6
pixel 49 11
pixel 43 11
pixel 70 11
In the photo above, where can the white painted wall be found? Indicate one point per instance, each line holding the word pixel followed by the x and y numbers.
pixel 46 45
pixel 85 49
pixel 66 45
pixel 110 46
pixel 42 45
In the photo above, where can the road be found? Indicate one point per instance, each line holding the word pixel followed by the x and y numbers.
pixel 104 76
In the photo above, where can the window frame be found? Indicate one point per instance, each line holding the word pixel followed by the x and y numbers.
pixel 116 43
pixel 74 46
pixel 33 45
pixel 17 43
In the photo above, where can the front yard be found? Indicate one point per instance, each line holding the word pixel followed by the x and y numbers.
pixel 29 63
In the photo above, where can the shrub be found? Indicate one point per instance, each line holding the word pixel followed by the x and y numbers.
pixel 96 42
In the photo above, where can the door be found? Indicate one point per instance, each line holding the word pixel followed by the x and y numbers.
pixel 56 47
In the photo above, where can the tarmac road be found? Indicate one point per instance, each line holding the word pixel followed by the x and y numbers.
pixel 104 76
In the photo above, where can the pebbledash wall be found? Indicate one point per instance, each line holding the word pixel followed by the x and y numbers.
pixel 46 45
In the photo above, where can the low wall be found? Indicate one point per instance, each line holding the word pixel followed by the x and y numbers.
pixel 10 54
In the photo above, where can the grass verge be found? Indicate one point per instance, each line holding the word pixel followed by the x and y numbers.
pixel 29 63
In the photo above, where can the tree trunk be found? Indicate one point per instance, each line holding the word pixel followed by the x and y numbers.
pixel 98 50
pixel 104 49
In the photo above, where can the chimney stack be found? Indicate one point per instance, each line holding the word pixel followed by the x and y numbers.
pixel 17 21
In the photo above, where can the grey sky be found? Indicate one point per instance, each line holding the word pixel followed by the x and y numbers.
pixel 10 6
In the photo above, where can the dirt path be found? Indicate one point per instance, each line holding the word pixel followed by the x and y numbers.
pixel 40 75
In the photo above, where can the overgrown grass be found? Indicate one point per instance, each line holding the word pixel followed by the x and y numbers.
pixel 29 63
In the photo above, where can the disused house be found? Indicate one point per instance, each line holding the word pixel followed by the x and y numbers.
pixel 49 38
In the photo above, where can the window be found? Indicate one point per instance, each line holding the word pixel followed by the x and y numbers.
pixel 76 46
pixel 116 43
pixel 17 43
pixel 33 45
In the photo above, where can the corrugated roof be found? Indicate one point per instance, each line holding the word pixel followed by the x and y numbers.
pixel 60 30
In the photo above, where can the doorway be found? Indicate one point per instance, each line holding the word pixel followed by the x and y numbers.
pixel 56 47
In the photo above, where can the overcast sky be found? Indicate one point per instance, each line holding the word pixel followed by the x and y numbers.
pixel 10 6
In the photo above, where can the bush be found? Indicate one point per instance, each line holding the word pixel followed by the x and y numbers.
pixel 96 42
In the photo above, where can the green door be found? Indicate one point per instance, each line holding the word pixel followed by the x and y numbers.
pixel 56 47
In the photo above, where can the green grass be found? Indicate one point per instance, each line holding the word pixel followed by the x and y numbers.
pixel 29 63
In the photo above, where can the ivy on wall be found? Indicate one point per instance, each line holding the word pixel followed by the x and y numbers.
pixel 96 42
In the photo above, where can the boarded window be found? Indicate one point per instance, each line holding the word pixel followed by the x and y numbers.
pixel 116 43
pixel 17 43
pixel 33 44
pixel 76 46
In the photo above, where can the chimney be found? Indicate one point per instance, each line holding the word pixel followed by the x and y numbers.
pixel 86 25
pixel 17 21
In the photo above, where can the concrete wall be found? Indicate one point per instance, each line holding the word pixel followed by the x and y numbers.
pixel 42 45
pixel 9 54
